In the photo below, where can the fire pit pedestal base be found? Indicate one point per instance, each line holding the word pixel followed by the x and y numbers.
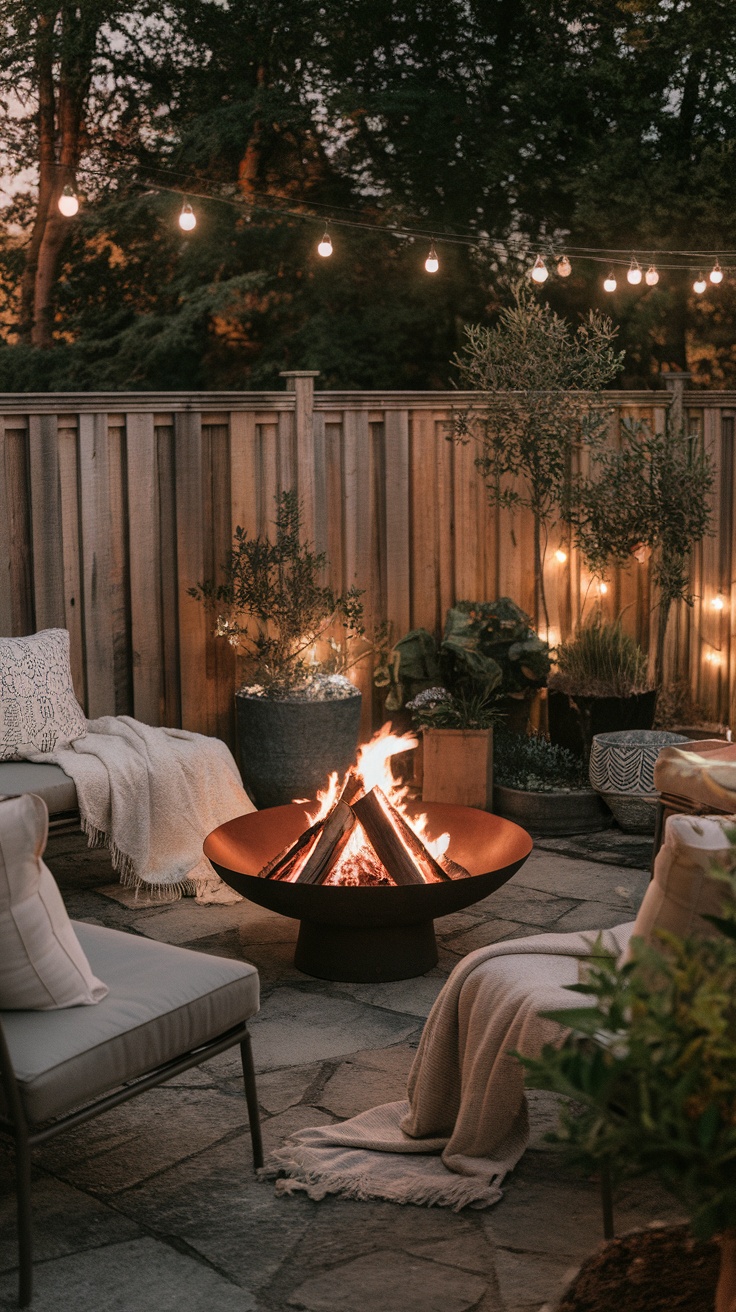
pixel 364 934
pixel 371 955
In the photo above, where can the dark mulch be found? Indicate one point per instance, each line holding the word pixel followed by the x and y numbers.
pixel 657 1270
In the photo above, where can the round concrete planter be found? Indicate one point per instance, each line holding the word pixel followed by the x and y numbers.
pixel 579 811
pixel 287 748
pixel 622 771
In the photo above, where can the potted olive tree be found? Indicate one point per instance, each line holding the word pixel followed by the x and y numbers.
pixel 298 718
pixel 651 1067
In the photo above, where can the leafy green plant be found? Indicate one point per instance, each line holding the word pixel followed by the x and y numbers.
pixel 436 708
pixel 488 647
pixel 533 764
pixel 651 497
pixel 651 1065
pixel 538 383
pixel 600 661
pixel 272 606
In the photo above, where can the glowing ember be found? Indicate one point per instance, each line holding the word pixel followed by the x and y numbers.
pixel 358 862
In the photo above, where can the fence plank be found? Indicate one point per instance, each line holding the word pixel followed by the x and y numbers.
pixel 71 557
pixel 169 581
pixel 243 472
pixel 424 528
pixel 145 568
pixel 94 503
pixel 195 711
pixel 6 580
pixel 398 555
pixel 48 560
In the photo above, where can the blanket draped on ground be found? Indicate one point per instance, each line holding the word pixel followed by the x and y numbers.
pixel 151 796
pixel 466 1123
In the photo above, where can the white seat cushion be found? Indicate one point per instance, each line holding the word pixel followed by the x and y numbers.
pixel 47 781
pixel 42 965
pixel 163 1001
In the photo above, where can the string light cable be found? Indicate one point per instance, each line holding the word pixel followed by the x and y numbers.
pixel 517 247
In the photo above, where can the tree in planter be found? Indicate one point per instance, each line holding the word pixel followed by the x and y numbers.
pixel 653 1063
pixel 538 383
pixel 272 607
pixel 651 496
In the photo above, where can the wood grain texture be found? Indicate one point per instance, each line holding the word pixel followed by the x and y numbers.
pixel 6 581
pixel 398 535
pixel 46 532
pixel 195 707
pixel 94 505
pixel 71 557
pixel 145 569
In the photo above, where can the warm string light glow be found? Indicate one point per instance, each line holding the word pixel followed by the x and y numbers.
pixel 540 272
pixel 561 555
pixel 564 267
pixel 718 603
pixel 716 273
pixel 651 277
pixel 187 218
pixel 609 283
pixel 68 202
pixel 603 588
pixel 431 263
pixel 700 284
pixel 713 657
pixel 634 274
pixel 325 246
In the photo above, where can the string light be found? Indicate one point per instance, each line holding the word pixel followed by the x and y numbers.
pixel 325 246
pixel 716 273
pixel 718 603
pixel 187 218
pixel 561 555
pixel 700 284
pixel 603 589
pixel 713 657
pixel 634 274
pixel 564 267
pixel 540 272
pixel 651 277
pixel 431 263
pixel 609 283
pixel 68 202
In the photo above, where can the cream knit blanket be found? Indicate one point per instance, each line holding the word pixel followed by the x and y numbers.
pixel 152 796
pixel 465 1124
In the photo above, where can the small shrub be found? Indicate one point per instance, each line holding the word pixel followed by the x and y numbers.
pixel 535 765
pixel 601 661
pixel 437 708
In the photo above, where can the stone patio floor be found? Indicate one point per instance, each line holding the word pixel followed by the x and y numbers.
pixel 155 1205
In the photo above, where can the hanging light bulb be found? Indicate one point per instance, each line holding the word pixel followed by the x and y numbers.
pixel 603 589
pixel 609 283
pixel 700 284
pixel 561 555
pixel 716 273
pixel 431 263
pixel 540 272
pixel 325 246
pixel 564 267
pixel 187 218
pixel 651 277
pixel 68 202
pixel 634 274
pixel 718 603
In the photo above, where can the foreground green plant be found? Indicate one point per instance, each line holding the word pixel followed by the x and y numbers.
pixel 652 1061
pixel 436 708
pixel 273 608
pixel 600 661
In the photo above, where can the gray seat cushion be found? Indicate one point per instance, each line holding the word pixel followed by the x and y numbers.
pixel 47 781
pixel 163 1001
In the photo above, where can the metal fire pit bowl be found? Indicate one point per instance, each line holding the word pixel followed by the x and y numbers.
pixel 368 935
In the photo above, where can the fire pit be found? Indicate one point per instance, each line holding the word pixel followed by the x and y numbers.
pixel 365 870
pixel 368 934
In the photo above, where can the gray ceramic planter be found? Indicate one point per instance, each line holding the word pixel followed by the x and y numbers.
pixel 580 811
pixel 288 748
pixel 622 771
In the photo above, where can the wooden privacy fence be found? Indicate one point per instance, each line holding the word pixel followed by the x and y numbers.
pixel 113 505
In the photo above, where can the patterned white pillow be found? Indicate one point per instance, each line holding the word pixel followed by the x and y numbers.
pixel 38 709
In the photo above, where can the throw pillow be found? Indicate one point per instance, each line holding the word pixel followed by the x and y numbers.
pixel 42 965
pixel 682 889
pixel 38 709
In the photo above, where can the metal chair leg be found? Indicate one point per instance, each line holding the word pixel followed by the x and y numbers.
pixel 607 1201
pixel 251 1098
pixel 25 1234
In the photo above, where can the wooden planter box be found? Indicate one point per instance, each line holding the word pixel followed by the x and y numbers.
pixel 458 767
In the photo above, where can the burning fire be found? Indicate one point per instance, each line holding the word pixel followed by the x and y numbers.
pixel 358 862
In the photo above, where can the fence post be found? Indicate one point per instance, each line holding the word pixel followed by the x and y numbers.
pixel 301 383
pixel 676 384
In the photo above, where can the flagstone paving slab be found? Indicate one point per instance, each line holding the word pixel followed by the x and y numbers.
pixel 298 1026
pixel 138 1276
pixel 389 1282
pixel 66 1220
pixel 357 1084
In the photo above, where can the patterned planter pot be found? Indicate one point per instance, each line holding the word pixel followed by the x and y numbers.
pixel 622 771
